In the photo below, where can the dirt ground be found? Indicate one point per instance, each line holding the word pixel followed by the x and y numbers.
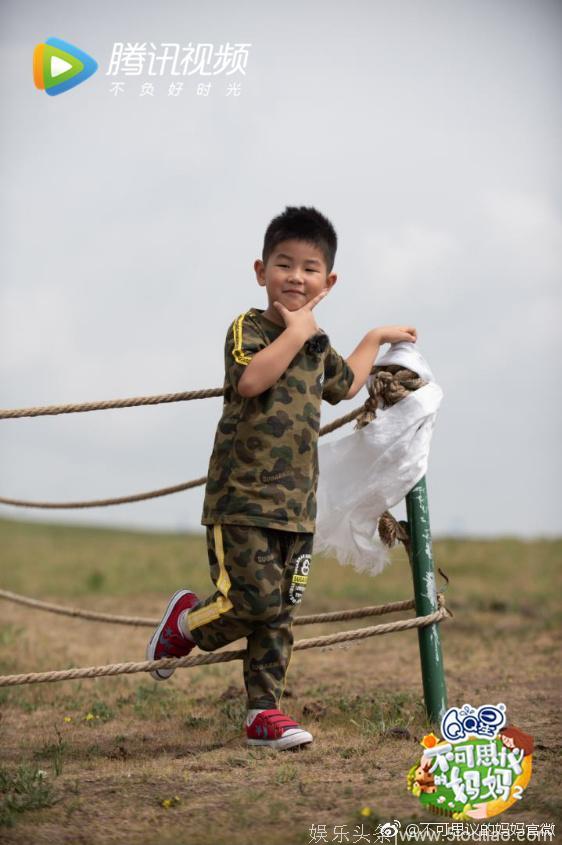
pixel 131 761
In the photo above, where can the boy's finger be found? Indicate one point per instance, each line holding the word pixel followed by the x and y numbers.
pixel 281 308
pixel 310 305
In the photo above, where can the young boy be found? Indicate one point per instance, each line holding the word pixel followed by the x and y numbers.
pixel 260 504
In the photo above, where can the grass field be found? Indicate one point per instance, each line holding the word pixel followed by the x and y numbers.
pixel 126 760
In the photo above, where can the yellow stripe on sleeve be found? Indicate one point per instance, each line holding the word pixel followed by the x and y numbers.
pixel 238 331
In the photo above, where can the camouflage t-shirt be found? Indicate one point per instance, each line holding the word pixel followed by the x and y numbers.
pixel 264 465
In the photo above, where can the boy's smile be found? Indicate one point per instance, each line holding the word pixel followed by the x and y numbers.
pixel 294 274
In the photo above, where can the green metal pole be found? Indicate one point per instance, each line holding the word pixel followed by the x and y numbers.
pixel 425 594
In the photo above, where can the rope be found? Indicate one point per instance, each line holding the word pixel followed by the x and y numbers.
pixel 390 530
pixel 141 621
pixel 221 657
pixel 96 503
pixel 326 429
pixel 162 491
pixel 51 410
pixel 388 386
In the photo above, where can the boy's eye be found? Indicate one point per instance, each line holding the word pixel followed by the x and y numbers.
pixel 282 265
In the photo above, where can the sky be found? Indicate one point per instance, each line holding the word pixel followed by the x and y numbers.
pixel 429 133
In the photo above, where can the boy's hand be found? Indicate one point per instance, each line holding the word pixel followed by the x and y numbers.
pixel 362 358
pixel 302 320
pixel 267 365
pixel 394 334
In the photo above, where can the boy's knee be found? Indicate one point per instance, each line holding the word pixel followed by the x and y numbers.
pixel 254 607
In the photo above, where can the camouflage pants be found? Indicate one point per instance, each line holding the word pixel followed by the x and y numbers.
pixel 260 575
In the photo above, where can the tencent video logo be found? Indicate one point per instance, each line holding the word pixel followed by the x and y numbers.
pixel 59 66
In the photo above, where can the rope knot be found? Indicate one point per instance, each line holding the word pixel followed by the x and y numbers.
pixel 390 530
pixel 387 386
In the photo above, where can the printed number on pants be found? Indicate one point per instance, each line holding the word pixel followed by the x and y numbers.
pixel 299 579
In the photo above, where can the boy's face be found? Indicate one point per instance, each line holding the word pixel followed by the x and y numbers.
pixel 294 274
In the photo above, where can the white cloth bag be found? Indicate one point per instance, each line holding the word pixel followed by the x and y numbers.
pixel 372 469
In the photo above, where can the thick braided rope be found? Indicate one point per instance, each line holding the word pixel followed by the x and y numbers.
pixel 391 530
pixel 104 405
pixel 51 410
pixel 98 503
pixel 388 386
pixel 163 491
pixel 221 657
pixel 326 429
pixel 142 621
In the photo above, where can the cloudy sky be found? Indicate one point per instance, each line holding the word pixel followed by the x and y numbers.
pixel 428 132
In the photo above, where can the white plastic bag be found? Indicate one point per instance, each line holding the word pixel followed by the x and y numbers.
pixel 372 469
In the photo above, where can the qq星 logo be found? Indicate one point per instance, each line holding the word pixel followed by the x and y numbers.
pixel 481 767
pixel 59 66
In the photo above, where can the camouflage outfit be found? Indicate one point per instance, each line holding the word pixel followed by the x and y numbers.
pixel 260 502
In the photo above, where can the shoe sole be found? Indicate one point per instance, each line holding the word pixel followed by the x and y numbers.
pixel 163 674
pixel 281 744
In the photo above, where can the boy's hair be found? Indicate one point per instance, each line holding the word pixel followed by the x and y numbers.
pixel 302 224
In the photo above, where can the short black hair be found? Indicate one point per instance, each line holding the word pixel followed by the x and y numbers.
pixel 302 224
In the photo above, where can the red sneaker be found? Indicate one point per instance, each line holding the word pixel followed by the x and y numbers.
pixel 168 640
pixel 275 730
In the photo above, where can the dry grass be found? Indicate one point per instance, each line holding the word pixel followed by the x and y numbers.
pixel 132 761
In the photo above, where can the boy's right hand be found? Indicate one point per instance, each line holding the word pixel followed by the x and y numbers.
pixel 301 321
pixel 267 365
pixel 395 334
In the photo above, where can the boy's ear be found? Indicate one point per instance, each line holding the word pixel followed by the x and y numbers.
pixel 259 268
pixel 331 280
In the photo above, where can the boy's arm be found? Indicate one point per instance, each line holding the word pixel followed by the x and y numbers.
pixel 363 356
pixel 269 364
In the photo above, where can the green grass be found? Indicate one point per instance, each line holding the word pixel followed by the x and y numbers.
pixel 78 560
pixel 24 789
pixel 130 743
pixel 73 561
pixel 155 701
pixel 375 715
pixel 54 752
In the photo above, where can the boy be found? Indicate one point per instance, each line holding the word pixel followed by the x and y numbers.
pixel 260 503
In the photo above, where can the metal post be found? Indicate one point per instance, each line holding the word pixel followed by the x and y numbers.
pixel 425 594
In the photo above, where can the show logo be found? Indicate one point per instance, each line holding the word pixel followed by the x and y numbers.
pixel 481 767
